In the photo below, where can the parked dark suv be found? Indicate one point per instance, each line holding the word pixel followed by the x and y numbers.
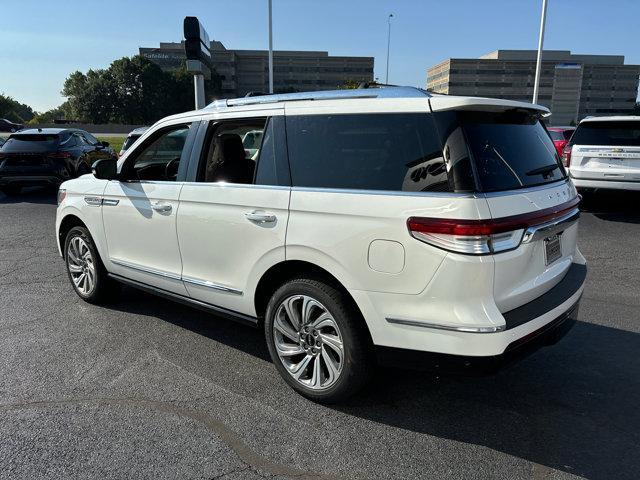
pixel 48 156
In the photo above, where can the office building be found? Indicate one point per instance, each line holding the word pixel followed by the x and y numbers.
pixel 244 71
pixel 571 86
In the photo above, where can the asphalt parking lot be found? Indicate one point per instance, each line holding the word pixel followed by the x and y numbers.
pixel 146 388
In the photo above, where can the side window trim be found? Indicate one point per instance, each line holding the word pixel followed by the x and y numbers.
pixel 184 156
pixel 283 171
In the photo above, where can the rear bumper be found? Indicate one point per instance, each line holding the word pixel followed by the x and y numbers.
pixel 548 334
pixel 605 184
pixel 540 322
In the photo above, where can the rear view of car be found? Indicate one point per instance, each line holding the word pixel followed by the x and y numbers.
pixel 560 137
pixel 47 157
pixel 604 152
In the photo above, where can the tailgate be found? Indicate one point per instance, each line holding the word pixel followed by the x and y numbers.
pixel 605 163
pixel 547 251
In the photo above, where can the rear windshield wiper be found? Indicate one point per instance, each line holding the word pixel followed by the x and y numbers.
pixel 544 170
pixel 513 172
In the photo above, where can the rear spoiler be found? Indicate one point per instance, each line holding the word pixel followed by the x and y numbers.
pixel 484 104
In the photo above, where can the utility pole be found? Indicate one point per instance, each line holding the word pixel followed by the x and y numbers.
pixel 270 48
pixel 197 48
pixel 543 20
pixel 198 85
pixel 388 45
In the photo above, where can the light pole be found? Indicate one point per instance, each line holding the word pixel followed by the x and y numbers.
pixel 536 83
pixel 270 49
pixel 388 45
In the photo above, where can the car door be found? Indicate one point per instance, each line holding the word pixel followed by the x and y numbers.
pixel 233 213
pixel 139 209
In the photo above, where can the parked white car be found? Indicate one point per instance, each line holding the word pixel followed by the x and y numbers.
pixel 604 152
pixel 375 226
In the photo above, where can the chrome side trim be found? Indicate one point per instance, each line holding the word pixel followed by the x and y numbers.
pixel 208 307
pixel 110 202
pixel 392 193
pixel 453 328
pixel 175 276
pixel 140 268
pixel 93 201
pixel 544 230
pixel 236 185
pixel 214 286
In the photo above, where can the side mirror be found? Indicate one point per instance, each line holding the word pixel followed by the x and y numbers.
pixel 105 169
pixel 104 144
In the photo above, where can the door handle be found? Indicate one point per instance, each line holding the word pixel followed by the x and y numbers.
pixel 260 217
pixel 161 207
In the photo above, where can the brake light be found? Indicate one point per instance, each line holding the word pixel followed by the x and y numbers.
pixel 566 155
pixel 62 194
pixel 482 237
pixel 59 155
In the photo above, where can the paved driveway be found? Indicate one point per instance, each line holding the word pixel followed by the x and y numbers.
pixel 146 388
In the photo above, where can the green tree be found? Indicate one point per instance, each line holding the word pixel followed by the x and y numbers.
pixel 15 111
pixel 62 112
pixel 132 90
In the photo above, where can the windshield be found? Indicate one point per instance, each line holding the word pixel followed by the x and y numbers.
pixel 620 134
pixel 507 150
pixel 31 143
pixel 130 140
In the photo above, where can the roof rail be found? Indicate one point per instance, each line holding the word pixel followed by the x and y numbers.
pixel 366 92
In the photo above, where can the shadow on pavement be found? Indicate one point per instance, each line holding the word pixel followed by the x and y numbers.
pixel 236 335
pixel 612 205
pixel 572 407
pixel 41 195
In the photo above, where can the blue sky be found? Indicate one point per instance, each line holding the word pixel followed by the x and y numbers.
pixel 41 42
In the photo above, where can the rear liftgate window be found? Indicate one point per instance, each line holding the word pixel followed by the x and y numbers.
pixel 509 150
pixel 619 134
pixel 399 152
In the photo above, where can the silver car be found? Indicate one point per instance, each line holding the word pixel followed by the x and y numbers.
pixel 604 152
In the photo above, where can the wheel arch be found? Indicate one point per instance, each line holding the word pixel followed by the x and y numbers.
pixel 286 270
pixel 66 224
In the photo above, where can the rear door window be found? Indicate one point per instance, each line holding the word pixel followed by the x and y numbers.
pixel 400 152
pixel 509 150
pixel 614 133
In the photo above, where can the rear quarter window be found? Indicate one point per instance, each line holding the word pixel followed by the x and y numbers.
pixel 399 152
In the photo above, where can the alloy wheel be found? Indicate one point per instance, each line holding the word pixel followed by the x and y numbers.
pixel 308 342
pixel 81 266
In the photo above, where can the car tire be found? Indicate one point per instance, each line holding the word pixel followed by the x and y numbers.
pixel 85 269
pixel 334 357
pixel 11 190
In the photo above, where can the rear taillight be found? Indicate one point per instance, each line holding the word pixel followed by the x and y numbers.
pixel 59 155
pixel 566 155
pixel 482 237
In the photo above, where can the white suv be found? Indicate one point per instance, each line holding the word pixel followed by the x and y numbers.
pixel 372 226
pixel 604 152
